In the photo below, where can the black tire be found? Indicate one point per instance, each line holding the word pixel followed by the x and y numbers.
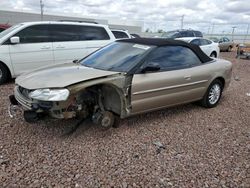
pixel 4 74
pixel 206 101
pixel 213 54
pixel 30 116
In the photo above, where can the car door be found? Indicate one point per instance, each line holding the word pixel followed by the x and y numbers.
pixel 33 51
pixel 67 45
pixel 181 79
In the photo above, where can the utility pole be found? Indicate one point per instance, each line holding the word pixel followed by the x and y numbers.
pixel 212 32
pixel 233 32
pixel 182 21
pixel 248 25
pixel 42 6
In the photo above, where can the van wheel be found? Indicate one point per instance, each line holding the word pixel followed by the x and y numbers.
pixel 3 74
pixel 213 94
pixel 213 54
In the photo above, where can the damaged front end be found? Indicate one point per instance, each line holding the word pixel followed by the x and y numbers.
pixel 102 99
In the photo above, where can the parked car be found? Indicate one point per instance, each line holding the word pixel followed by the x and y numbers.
pixel 182 33
pixel 208 47
pixel 3 27
pixel 31 45
pixel 121 34
pixel 243 51
pixel 225 44
pixel 124 78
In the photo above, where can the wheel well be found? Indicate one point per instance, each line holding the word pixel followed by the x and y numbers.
pixel 222 81
pixel 110 97
pixel 7 68
pixel 214 52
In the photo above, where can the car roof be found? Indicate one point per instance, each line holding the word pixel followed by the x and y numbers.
pixel 63 22
pixel 169 42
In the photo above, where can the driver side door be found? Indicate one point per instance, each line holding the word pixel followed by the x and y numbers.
pixel 178 81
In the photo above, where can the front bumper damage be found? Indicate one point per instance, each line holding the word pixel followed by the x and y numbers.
pixel 54 109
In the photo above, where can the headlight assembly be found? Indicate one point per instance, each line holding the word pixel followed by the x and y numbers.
pixel 50 94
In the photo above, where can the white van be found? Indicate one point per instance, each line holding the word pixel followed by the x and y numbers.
pixel 31 45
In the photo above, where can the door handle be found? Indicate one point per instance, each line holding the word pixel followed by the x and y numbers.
pixel 187 77
pixel 60 47
pixel 45 47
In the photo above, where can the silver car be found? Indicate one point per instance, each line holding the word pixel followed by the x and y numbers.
pixel 125 78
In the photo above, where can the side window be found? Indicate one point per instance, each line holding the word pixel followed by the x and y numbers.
pixel 34 34
pixel 198 34
pixel 185 34
pixel 196 42
pixel 60 33
pixel 173 58
pixel 205 42
pixel 65 33
pixel 225 39
pixel 93 33
pixel 120 34
pixel 208 41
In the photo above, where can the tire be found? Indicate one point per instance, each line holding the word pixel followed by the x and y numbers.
pixel 4 74
pixel 213 94
pixel 213 54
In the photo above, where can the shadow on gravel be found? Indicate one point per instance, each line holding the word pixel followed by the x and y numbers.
pixel 72 128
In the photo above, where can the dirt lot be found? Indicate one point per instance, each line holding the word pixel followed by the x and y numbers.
pixel 201 147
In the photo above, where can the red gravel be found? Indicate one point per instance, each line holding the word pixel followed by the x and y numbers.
pixel 201 147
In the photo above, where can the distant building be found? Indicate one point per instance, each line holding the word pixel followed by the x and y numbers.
pixel 14 17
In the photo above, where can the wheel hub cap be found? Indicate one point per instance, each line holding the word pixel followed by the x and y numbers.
pixel 214 94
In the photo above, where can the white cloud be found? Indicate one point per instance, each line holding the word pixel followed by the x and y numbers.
pixel 155 13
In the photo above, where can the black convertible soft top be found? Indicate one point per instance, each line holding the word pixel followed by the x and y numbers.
pixel 169 42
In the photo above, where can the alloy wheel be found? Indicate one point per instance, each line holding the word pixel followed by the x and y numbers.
pixel 214 94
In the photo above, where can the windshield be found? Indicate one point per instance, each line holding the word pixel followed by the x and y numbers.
pixel 7 31
pixel 118 56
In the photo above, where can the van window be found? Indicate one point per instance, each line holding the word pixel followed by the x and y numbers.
pixel 60 33
pixel 120 34
pixel 34 34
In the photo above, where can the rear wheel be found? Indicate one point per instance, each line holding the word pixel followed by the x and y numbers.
pixel 3 74
pixel 213 94
pixel 213 54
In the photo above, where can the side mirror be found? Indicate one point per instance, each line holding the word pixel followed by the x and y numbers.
pixel 151 67
pixel 75 61
pixel 15 40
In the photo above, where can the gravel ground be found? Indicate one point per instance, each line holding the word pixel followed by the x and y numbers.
pixel 184 146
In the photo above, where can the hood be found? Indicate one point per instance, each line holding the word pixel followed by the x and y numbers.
pixel 59 76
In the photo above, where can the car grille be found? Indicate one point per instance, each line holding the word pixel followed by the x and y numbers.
pixel 22 96
pixel 24 92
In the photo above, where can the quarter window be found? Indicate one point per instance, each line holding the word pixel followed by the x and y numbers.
pixel 173 57
pixel 120 34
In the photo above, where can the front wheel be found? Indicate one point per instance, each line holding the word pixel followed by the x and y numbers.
pixel 213 94
pixel 3 74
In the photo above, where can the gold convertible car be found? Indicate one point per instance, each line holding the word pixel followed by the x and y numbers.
pixel 124 78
